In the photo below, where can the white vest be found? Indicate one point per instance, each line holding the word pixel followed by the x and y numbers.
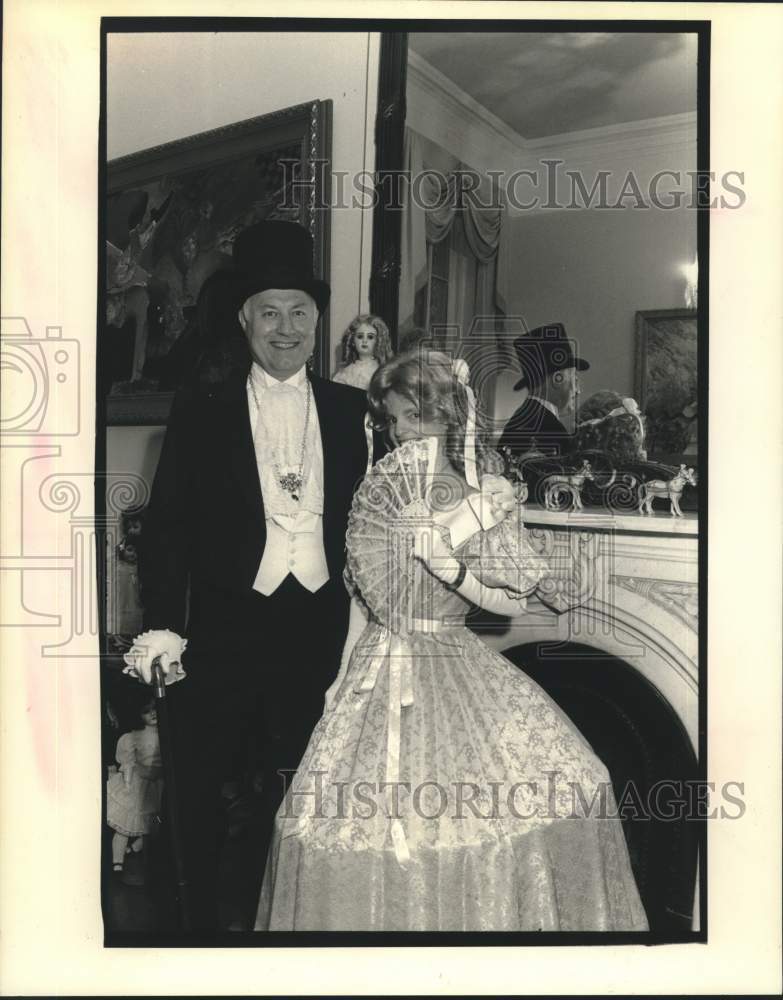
pixel 294 543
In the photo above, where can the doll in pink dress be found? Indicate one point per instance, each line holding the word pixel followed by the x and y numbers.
pixel 135 790
pixel 366 345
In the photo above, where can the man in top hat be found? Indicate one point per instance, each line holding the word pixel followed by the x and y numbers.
pixel 549 369
pixel 244 550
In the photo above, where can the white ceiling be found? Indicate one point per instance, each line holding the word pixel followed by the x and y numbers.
pixel 547 84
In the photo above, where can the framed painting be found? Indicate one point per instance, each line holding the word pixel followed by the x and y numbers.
pixel 171 215
pixel 666 382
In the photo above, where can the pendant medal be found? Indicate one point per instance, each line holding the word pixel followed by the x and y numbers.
pixel 291 483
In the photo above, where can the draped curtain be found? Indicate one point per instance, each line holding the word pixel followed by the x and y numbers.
pixel 451 200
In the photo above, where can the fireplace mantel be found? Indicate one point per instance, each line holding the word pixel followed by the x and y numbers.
pixel 658 523
pixel 625 584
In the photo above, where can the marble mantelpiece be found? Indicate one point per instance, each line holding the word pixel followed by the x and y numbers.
pixel 625 584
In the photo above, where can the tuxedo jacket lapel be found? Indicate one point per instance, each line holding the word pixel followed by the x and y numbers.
pixel 330 438
pixel 341 432
pixel 239 443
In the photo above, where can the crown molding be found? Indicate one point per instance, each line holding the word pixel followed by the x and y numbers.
pixel 447 110
pixel 458 101
pixel 644 136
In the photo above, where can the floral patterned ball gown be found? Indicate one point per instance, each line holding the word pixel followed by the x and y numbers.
pixel 438 789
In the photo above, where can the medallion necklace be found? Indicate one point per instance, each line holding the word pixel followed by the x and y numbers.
pixel 290 482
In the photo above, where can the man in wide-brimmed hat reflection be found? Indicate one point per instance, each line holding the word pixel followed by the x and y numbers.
pixel 548 367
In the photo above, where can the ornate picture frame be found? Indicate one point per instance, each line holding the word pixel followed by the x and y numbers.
pixel 170 216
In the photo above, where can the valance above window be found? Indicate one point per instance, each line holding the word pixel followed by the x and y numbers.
pixel 444 193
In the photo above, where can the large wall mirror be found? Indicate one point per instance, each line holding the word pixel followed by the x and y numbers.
pixel 552 180
pixel 548 186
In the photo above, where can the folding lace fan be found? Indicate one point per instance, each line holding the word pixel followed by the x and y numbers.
pixel 393 500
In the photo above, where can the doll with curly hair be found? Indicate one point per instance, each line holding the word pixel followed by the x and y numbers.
pixel 366 346
pixel 134 790
pixel 613 424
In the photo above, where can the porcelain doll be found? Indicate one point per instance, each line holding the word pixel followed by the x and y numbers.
pixel 366 345
pixel 134 791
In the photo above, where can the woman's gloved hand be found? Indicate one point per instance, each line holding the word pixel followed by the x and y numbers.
pixel 498 494
pixel 430 548
pixel 480 511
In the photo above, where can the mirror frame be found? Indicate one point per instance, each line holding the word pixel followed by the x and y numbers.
pixel 389 142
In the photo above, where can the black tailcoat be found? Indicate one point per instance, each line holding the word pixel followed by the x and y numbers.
pixel 533 426
pixel 205 527
pixel 256 667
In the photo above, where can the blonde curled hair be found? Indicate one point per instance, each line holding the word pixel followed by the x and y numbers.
pixel 426 378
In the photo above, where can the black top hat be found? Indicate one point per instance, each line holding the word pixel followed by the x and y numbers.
pixel 545 350
pixel 276 254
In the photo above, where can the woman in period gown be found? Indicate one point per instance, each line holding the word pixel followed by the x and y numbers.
pixel 442 789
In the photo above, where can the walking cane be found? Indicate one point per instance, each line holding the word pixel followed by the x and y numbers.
pixel 169 770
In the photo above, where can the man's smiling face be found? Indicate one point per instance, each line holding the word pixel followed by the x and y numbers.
pixel 280 328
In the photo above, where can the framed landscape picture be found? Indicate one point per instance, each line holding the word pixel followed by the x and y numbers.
pixel 170 218
pixel 666 381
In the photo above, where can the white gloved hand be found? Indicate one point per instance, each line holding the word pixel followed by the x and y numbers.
pixel 480 511
pixel 498 493
pixel 429 548
pixel 147 646
pixel 498 600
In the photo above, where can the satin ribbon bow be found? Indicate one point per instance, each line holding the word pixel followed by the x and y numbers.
pixel 461 372
pixel 394 650
pixel 629 407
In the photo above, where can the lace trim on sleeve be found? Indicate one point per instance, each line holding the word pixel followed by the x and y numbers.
pixel 503 557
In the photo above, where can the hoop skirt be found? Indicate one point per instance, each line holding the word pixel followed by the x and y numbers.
pixel 443 789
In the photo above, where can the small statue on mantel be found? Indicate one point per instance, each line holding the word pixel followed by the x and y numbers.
pixel 567 485
pixel 513 471
pixel 663 489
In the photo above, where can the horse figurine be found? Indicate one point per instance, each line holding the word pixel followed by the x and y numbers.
pixel 558 486
pixel 670 490
pixel 514 473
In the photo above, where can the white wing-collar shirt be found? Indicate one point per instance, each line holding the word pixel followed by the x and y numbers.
pixel 294 542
